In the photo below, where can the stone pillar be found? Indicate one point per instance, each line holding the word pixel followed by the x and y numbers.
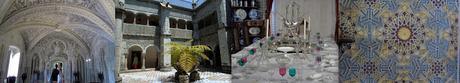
pixel 186 27
pixel 196 32
pixel 118 39
pixel 134 18
pixel 143 59
pixel 177 22
pixel 2 51
pixel 222 35
pixel 126 61
pixel 165 59
pixel 148 19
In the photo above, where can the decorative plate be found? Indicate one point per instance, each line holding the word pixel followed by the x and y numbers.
pixel 241 14
pixel 255 39
pixel 241 41
pixel 254 30
pixel 254 14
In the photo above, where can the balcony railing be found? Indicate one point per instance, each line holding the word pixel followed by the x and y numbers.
pixel 136 29
pixel 181 33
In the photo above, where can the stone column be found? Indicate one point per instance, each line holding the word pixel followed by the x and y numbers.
pixel 143 59
pixel 134 18
pixel 177 22
pixel 118 39
pixel 2 51
pixel 186 27
pixel 165 59
pixel 126 61
pixel 223 37
pixel 196 32
pixel 148 19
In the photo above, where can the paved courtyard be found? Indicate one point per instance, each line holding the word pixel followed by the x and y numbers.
pixel 153 76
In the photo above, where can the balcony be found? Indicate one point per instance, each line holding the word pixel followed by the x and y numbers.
pixel 138 30
pixel 181 33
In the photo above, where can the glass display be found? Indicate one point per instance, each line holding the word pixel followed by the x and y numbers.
pixel 289 52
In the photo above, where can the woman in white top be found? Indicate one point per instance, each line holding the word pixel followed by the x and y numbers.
pixel 61 74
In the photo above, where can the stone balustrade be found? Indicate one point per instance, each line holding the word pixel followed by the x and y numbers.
pixel 181 33
pixel 136 29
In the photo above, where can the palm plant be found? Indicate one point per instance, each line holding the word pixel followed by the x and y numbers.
pixel 185 58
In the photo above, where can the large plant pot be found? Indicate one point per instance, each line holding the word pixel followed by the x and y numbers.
pixel 183 79
pixel 194 76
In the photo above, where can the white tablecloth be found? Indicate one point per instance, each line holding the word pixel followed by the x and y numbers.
pixel 265 69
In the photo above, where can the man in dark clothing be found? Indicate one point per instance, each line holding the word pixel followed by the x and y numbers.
pixel 54 74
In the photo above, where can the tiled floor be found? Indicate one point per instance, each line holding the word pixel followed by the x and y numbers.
pixel 153 76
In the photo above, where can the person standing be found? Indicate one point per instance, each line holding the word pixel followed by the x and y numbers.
pixel 54 74
pixel 60 75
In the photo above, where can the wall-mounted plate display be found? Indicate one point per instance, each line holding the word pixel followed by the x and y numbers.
pixel 255 39
pixel 241 14
pixel 254 30
pixel 254 14
pixel 241 41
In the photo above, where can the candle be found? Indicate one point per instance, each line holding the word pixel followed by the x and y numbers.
pixel 267 28
pixel 304 29
pixel 309 23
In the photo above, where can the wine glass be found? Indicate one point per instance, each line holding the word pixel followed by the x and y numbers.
pixel 282 71
pixel 292 72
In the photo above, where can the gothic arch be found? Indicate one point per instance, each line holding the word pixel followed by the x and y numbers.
pixel 152 56
pixel 135 57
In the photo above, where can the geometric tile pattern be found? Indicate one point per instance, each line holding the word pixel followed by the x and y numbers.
pixel 399 41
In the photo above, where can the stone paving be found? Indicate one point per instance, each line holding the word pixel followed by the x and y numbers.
pixel 153 76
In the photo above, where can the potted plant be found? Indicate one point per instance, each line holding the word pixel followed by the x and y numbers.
pixel 186 59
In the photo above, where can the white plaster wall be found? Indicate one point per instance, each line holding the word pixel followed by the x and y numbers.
pixel 322 13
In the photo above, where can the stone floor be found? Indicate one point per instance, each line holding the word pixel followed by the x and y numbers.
pixel 153 76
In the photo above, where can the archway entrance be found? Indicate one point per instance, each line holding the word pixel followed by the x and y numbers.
pixel 135 57
pixel 63 62
pixel 151 57
pixel 13 64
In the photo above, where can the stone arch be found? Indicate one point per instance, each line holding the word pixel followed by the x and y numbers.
pixel 50 65
pixel 173 23
pixel 80 69
pixel 154 20
pixel 181 23
pixel 151 56
pixel 134 57
pixel 129 17
pixel 35 64
pixel 13 61
pixel 141 18
pixel 35 67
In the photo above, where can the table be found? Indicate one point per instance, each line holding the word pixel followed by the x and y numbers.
pixel 262 68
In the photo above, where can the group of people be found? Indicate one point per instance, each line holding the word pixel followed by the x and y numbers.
pixel 57 75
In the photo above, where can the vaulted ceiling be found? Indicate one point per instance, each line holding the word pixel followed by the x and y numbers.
pixel 104 9
pixel 82 21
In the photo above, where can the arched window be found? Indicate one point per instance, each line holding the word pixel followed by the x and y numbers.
pixel 13 65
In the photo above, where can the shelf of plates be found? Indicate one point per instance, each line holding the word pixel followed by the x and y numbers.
pixel 247 23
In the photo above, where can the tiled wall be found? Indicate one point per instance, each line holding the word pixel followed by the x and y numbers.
pixel 399 41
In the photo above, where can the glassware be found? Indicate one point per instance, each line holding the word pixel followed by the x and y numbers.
pixel 318 59
pixel 292 71
pixel 282 71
